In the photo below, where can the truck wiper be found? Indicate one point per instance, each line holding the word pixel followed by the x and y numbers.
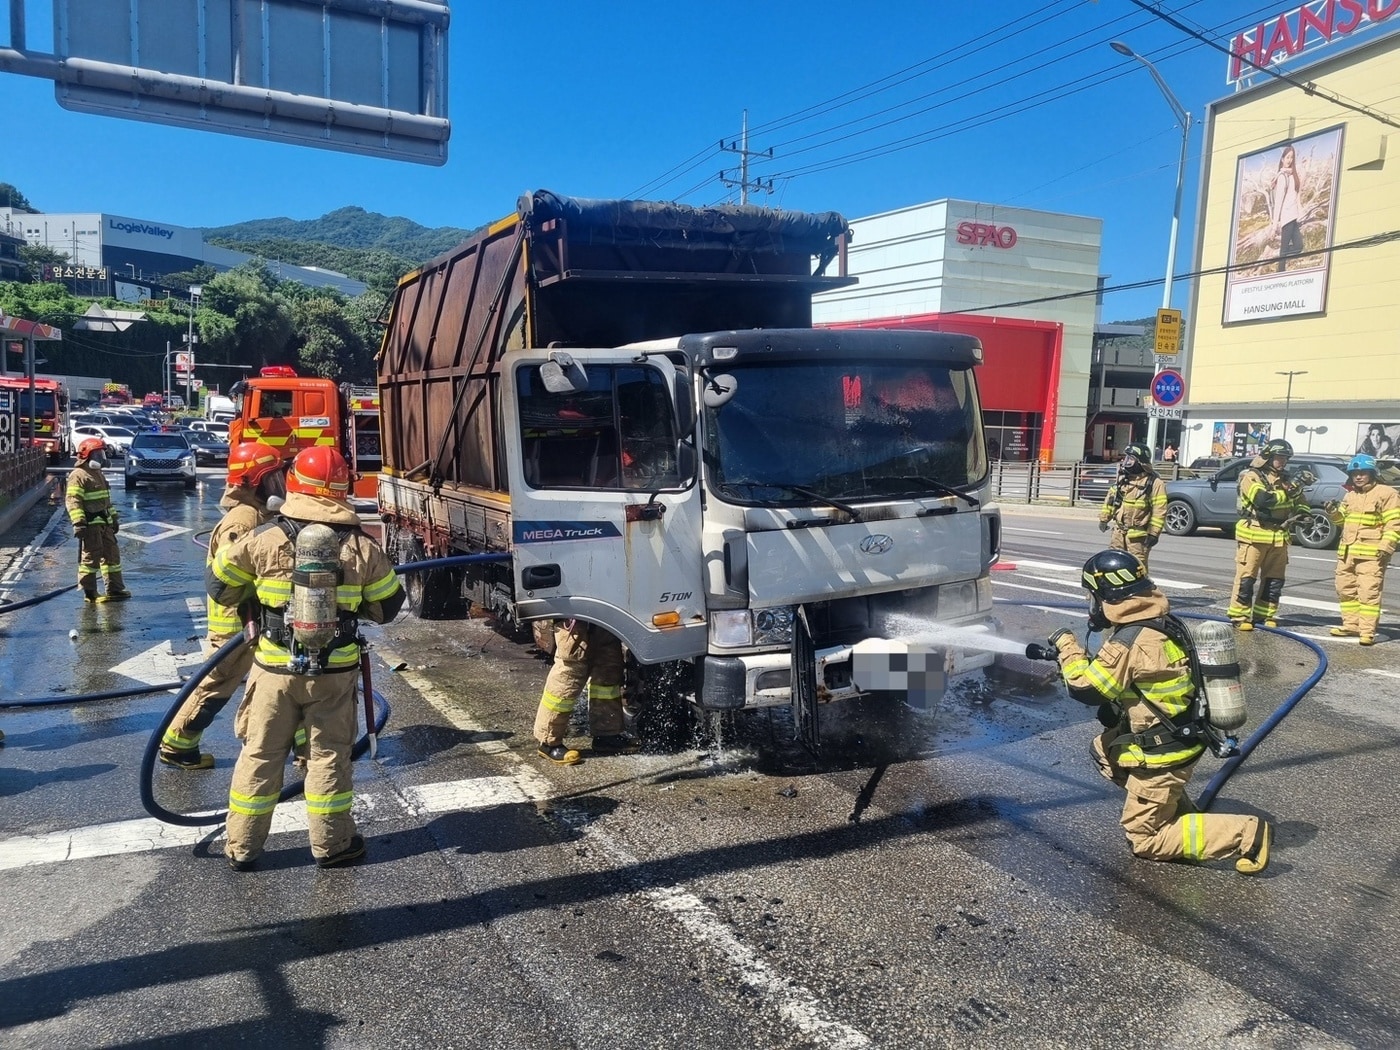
pixel 937 486
pixel 813 494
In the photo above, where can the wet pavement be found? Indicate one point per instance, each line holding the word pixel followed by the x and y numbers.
pixel 953 877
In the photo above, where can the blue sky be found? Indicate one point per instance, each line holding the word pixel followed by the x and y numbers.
pixel 1018 103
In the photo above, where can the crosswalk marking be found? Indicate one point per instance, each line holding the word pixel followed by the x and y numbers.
pixel 1160 581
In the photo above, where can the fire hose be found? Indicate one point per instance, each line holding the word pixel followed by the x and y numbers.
pixel 1227 769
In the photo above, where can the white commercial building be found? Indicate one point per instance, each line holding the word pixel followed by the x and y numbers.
pixel 997 273
pixel 123 257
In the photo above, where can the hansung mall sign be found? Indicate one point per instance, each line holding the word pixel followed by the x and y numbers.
pixel 1306 27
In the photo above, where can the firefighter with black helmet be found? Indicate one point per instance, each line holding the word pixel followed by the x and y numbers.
pixel 1141 682
pixel 256 487
pixel 1270 502
pixel 314 575
pixel 88 499
pixel 1136 505
pixel 1369 517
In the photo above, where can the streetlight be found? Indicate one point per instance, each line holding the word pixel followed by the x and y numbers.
pixel 1288 397
pixel 196 290
pixel 1184 119
pixel 1310 431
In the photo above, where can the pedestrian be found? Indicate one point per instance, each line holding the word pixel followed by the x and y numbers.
pixel 583 653
pixel 1370 519
pixel 1135 505
pixel 1270 501
pixel 1142 684
pixel 1169 454
pixel 88 499
pixel 291 684
pixel 256 487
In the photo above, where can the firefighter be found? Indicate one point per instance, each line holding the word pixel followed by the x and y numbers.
pixel 1140 680
pixel 89 503
pixel 289 684
pixel 583 652
pixel 1370 519
pixel 1270 500
pixel 255 477
pixel 1136 505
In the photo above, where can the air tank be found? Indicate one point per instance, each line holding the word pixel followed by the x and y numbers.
pixel 313 614
pixel 1224 695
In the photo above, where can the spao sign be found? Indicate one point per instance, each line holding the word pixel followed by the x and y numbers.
pixel 985 235
pixel 1303 28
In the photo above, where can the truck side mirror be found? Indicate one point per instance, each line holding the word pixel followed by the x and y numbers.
pixel 719 389
pixel 684 407
pixel 561 374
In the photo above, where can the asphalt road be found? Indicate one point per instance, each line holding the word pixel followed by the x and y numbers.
pixel 947 878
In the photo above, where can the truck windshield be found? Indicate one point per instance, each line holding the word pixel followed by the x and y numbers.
pixel 845 430
pixel 43 402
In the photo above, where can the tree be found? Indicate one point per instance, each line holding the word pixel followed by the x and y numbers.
pixel 36 256
pixel 11 197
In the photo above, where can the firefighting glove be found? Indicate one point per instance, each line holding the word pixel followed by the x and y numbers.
pixel 1103 526
pixel 1151 541
pixel 80 531
pixel 1384 558
pixel 1108 715
pixel 1060 637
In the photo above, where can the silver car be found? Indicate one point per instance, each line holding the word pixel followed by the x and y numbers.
pixel 160 456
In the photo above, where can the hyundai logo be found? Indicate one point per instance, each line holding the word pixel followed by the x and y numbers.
pixel 876 543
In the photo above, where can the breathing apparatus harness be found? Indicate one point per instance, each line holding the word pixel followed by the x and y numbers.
pixel 1198 723
pixel 1293 485
pixel 312 624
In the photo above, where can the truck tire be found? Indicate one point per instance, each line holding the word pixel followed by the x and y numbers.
pixel 432 595
pixel 660 701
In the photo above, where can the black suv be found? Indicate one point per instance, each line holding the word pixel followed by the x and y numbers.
pixel 1212 501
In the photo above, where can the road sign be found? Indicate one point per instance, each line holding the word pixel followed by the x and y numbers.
pixel 1158 412
pixel 1168 388
pixel 184 361
pixel 1168 333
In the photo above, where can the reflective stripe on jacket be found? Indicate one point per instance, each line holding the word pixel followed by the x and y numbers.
pixel 1138 504
pixel 1265 507
pixel 243 514
pixel 260 565
pixel 88 497
pixel 1370 522
pixel 1150 666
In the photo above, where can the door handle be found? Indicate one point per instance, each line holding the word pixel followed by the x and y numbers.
pixel 539 577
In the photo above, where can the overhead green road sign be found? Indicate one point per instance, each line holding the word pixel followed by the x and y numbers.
pixel 362 76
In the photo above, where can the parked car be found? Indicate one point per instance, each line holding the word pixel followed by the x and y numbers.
pixel 117 439
pixel 160 456
pixel 209 448
pixel 210 426
pixel 1093 480
pixel 1212 501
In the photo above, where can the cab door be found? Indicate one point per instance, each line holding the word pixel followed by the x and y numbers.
pixel 605 509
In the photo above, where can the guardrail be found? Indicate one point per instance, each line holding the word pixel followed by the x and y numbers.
pixel 20 471
pixel 1066 484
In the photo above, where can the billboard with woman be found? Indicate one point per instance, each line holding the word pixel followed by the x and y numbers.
pixel 1281 231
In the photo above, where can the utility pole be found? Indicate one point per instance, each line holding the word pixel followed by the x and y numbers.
pixel 742 148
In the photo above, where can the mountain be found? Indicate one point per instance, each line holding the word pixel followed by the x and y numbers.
pixel 350 227
pixel 377 249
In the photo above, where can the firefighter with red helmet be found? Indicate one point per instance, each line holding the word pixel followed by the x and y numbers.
pixel 88 499
pixel 256 487
pixel 1369 517
pixel 313 576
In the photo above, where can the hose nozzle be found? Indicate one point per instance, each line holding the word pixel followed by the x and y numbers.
pixel 1036 651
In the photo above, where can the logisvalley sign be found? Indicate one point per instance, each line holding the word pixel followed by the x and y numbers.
pixel 1303 28
pixel 146 228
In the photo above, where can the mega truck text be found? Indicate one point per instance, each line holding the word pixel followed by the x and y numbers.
pixel 629 399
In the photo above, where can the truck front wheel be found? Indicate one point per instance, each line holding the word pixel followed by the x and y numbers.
pixel 432 594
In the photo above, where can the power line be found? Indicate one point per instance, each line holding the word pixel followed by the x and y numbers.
pixel 1307 86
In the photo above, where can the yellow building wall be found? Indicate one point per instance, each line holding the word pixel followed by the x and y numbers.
pixel 1352 351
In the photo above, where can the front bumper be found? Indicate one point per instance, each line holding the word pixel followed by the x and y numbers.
pixel 729 683
pixel 151 470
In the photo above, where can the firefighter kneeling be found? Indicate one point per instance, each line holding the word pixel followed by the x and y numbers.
pixel 314 575
pixel 1141 680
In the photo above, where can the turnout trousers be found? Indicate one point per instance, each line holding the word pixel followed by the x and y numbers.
pixel 97 551
pixel 1259 572
pixel 1359 583
pixel 198 712
pixel 1136 546
pixel 583 652
pixel 275 704
pixel 1162 823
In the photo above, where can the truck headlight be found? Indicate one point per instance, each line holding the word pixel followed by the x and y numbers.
pixel 736 628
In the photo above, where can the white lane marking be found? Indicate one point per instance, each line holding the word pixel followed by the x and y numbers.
pixel 1161 581
pixel 156 664
pixel 1311 557
pixel 1383 674
pixel 1038 532
pixel 453 795
pixel 1038 590
pixel 17 567
pixel 1309 603
pixel 151 531
pixel 798 1006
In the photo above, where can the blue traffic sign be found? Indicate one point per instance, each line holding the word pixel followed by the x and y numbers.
pixel 1168 388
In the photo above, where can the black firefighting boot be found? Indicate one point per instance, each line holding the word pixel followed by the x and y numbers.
pixel 1256 858
pixel 349 855
pixel 559 754
pixel 616 744
pixel 183 759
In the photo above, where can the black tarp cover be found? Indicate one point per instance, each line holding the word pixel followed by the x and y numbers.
pixel 741 227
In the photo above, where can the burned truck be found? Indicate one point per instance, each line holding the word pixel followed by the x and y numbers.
pixel 628 399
